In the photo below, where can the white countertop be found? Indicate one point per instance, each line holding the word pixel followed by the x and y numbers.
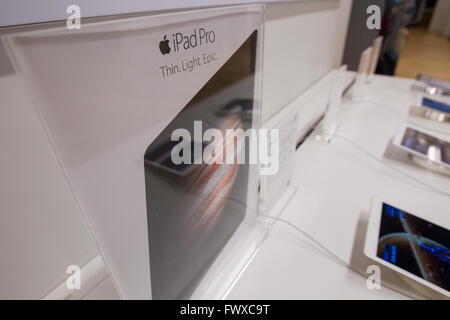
pixel 335 184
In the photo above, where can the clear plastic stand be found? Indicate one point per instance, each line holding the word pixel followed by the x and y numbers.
pixel 277 188
pixel 432 86
pixel 330 121
pixel 360 86
pixel 375 54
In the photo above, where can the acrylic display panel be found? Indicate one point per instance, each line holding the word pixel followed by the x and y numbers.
pixel 108 95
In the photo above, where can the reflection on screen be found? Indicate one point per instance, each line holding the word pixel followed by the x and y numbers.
pixel 433 148
pixel 415 245
pixel 193 209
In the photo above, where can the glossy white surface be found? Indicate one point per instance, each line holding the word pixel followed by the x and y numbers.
pixel 41 229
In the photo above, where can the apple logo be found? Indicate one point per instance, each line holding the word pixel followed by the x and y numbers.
pixel 164 46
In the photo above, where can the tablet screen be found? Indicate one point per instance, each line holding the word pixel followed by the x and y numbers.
pixel 433 148
pixel 415 245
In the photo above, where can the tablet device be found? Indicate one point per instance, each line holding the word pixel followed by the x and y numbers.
pixel 435 83
pixel 409 245
pixel 429 113
pixel 436 105
pixel 423 144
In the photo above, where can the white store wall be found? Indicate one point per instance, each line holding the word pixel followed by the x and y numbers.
pixel 303 41
pixel 41 230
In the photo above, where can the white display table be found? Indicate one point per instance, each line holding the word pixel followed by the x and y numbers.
pixel 335 184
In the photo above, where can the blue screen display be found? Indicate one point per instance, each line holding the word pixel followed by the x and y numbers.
pixel 415 245
pixel 436 105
